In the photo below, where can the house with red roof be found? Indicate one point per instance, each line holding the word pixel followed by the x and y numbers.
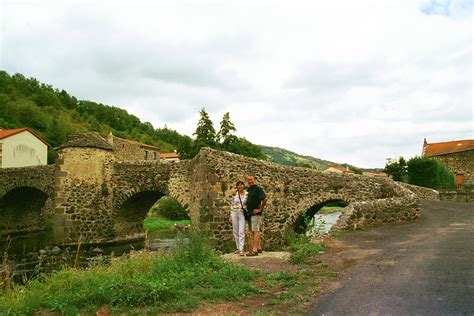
pixel 457 156
pixel 337 169
pixel 22 147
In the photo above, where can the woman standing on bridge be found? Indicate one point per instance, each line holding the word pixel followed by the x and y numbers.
pixel 238 205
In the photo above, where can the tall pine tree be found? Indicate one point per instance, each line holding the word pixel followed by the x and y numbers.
pixel 227 127
pixel 205 132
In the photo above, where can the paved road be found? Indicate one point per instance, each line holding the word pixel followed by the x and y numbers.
pixel 421 268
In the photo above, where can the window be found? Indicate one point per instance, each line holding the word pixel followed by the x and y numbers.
pixel 154 155
pixel 145 154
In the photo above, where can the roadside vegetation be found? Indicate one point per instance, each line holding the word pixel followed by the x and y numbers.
pixel 422 171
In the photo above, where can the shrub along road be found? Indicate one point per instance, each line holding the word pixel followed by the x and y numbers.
pixel 422 268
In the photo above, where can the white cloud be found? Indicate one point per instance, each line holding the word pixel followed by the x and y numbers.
pixel 345 81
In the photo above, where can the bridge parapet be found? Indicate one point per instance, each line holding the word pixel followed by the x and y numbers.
pixel 294 191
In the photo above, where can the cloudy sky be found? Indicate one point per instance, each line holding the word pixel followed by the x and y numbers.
pixel 347 81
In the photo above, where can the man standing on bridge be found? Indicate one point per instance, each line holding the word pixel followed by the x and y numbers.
pixel 256 200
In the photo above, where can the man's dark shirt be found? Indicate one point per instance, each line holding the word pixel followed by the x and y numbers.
pixel 254 197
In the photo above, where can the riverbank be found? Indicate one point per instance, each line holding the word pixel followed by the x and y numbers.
pixel 189 279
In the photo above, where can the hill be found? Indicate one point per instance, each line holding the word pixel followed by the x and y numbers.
pixel 289 158
pixel 55 114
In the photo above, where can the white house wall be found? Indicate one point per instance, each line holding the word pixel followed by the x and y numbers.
pixel 22 150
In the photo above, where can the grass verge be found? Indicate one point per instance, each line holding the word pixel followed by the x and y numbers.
pixel 154 223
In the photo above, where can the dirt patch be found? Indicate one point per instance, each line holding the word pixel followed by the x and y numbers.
pixel 318 278
pixel 268 262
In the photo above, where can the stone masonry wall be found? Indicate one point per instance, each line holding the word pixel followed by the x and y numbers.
pixel 460 163
pixel 127 151
pixel 25 198
pixel 457 195
pixel 83 194
pixel 98 199
pixel 422 192
pixel 292 191
pixel 146 182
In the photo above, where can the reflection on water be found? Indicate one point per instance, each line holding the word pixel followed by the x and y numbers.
pixel 30 253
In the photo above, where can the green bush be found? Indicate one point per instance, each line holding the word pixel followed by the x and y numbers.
pixel 170 208
pixel 430 173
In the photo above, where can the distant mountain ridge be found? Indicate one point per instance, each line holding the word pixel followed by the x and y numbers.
pixel 289 158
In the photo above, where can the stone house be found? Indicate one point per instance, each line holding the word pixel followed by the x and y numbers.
pixel 22 147
pixel 130 150
pixel 457 156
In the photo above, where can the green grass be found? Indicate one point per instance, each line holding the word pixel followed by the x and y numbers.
pixel 330 209
pixel 163 282
pixel 337 234
pixel 302 249
pixel 154 223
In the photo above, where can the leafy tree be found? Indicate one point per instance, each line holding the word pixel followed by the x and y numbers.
pixel 227 127
pixel 243 147
pixel 205 132
pixel 396 169
pixel 186 148
pixel 430 173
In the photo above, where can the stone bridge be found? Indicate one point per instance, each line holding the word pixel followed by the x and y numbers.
pixel 88 196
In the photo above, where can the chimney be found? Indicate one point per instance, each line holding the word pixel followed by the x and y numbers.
pixel 110 138
pixel 425 143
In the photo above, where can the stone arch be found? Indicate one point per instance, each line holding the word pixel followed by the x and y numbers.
pixel 310 208
pixel 23 209
pixel 133 207
pixel 24 183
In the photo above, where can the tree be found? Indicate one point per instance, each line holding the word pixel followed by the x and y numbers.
pixel 430 173
pixel 243 147
pixel 186 147
pixel 396 169
pixel 227 127
pixel 205 132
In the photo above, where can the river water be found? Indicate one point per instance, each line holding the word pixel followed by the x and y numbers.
pixel 323 222
pixel 31 253
pixel 28 254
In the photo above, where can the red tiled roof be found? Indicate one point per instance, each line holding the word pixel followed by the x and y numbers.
pixel 342 169
pixel 169 155
pixel 435 149
pixel 4 133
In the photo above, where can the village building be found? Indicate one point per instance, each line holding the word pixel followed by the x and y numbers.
pixel 130 150
pixel 337 169
pixel 22 147
pixel 457 156
pixel 174 156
